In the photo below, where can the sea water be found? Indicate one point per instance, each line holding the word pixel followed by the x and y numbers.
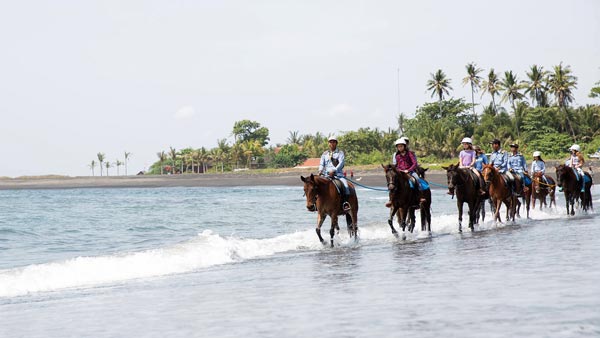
pixel 245 261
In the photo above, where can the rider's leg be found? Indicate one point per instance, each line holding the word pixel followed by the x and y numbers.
pixel 345 195
pixel 481 182
pixel 419 188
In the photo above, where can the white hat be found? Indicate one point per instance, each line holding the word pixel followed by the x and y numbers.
pixel 405 139
pixel 536 153
pixel 332 138
pixel 400 141
pixel 575 147
pixel 467 140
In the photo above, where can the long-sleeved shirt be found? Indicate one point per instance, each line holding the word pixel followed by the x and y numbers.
pixel 499 160
pixel 406 161
pixel 538 166
pixel 332 161
pixel 516 162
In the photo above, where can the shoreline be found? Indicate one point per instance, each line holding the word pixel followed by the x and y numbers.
pixel 370 178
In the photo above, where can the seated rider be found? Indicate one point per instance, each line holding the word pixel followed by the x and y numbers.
pixel 576 161
pixel 332 165
pixel 405 161
pixel 539 166
pixel 499 159
pixel 467 159
pixel 516 165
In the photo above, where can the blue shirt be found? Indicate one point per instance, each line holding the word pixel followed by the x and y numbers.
pixel 480 160
pixel 517 163
pixel 332 161
pixel 499 160
pixel 538 166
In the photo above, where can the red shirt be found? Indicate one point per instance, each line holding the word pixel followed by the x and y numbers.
pixel 408 161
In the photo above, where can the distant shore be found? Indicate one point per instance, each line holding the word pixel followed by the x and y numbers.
pixel 370 178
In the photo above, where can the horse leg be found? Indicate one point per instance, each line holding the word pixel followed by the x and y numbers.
pixel 320 220
pixel 391 220
pixel 412 219
pixel 334 227
pixel 473 207
pixel 459 204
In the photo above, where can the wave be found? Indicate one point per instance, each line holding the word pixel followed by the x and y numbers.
pixel 210 249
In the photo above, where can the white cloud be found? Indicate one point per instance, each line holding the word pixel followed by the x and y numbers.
pixel 185 112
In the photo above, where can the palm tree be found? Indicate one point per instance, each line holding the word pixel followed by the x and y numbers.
pixel 118 164
pixel 474 79
pixel 92 165
pixel 173 153
pixel 439 85
pixel 126 160
pixel 511 87
pixel 101 160
pixel 536 86
pixel 162 157
pixel 561 82
pixel 107 165
pixel 491 86
pixel 294 137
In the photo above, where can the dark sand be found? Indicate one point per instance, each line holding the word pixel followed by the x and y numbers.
pixel 369 178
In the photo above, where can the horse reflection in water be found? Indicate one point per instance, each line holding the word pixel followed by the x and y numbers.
pixel 405 200
pixel 322 196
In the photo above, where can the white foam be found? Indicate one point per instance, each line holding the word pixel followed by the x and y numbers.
pixel 209 249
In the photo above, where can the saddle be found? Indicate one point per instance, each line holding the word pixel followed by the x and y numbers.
pixel 341 190
pixel 413 183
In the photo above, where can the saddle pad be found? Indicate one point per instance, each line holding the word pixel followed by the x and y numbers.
pixel 424 185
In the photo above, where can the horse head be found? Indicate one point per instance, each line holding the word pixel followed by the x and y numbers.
pixel 391 176
pixel 537 178
pixel 561 171
pixel 310 191
pixel 489 172
pixel 452 176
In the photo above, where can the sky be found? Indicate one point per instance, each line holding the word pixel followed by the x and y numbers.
pixel 82 77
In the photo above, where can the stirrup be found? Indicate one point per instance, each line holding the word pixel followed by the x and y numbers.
pixel 346 206
pixel 388 204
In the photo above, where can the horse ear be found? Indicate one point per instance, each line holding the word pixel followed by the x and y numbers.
pixel 445 168
pixel 458 164
pixel 424 170
pixel 383 166
pixel 312 177
pixel 302 178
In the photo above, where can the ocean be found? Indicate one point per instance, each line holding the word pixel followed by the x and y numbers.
pixel 245 261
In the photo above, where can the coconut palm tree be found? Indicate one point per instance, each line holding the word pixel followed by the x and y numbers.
pixel 126 160
pixel 536 86
pixel 511 88
pixel 439 85
pixel 92 165
pixel 173 154
pixel 101 160
pixel 107 165
pixel 561 82
pixel 162 157
pixel 118 164
pixel 473 79
pixel 294 137
pixel 492 86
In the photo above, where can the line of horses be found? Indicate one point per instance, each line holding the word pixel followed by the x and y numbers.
pixel 323 197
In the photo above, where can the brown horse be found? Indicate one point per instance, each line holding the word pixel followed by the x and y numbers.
pixel 405 200
pixel 499 192
pixel 525 194
pixel 541 189
pixel 567 179
pixel 461 181
pixel 322 196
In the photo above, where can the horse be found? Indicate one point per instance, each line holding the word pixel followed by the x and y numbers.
pixel 322 196
pixel 526 195
pixel 566 178
pixel 499 192
pixel 540 189
pixel 461 181
pixel 405 200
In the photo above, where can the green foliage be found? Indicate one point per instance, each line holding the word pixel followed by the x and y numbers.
pixel 370 158
pixel 553 145
pixel 595 91
pixel 288 156
pixel 248 131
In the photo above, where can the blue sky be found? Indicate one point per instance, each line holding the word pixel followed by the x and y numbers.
pixel 82 77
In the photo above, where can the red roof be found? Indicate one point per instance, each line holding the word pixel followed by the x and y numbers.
pixel 312 162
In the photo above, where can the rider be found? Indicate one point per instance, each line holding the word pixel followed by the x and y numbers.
pixel 332 165
pixel 539 166
pixel 467 158
pixel 406 161
pixel 480 159
pixel 576 162
pixel 499 159
pixel 516 164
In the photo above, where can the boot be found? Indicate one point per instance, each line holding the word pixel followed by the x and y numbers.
pixel 345 205
pixel 388 204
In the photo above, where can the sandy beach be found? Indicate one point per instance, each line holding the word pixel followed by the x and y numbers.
pixel 371 177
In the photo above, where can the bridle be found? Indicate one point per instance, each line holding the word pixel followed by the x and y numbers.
pixel 313 190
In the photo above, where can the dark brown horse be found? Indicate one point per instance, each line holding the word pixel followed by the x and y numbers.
pixel 525 194
pixel 322 196
pixel 461 182
pixel 499 192
pixel 405 200
pixel 541 189
pixel 567 179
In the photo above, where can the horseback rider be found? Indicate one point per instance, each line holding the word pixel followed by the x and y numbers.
pixel 332 165
pixel 539 166
pixel 576 161
pixel 467 158
pixel 406 161
pixel 516 164
pixel 480 159
pixel 499 159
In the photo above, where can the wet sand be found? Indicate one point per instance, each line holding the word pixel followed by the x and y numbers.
pixel 370 178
